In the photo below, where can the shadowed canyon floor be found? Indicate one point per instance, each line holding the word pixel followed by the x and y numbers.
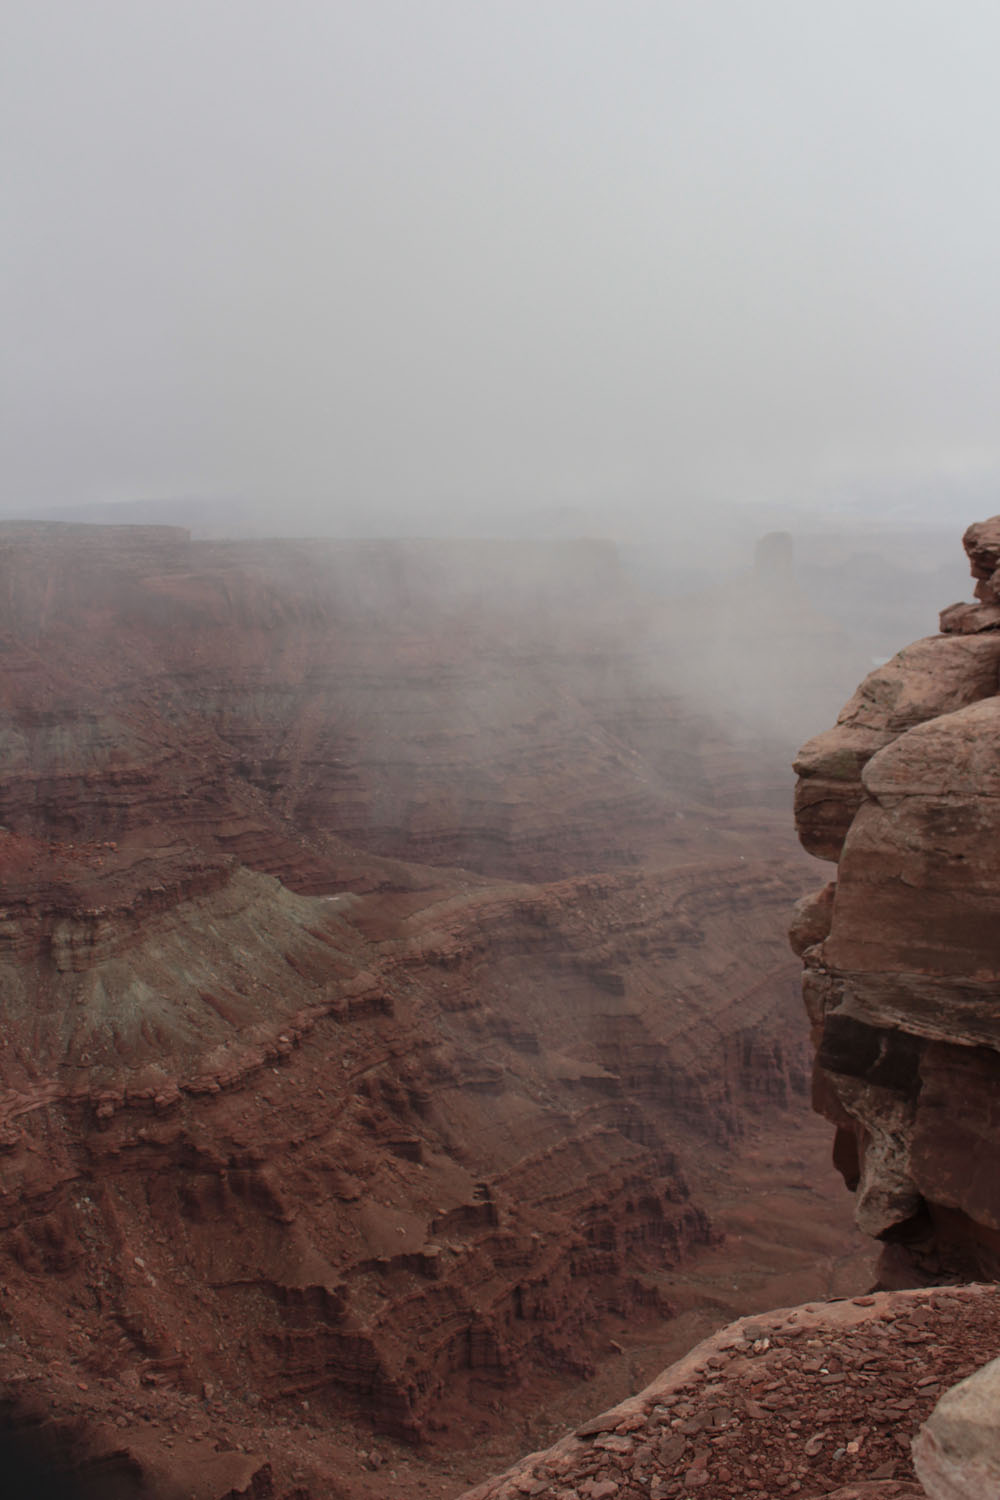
pixel 400 1034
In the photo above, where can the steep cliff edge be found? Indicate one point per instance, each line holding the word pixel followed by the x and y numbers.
pixel 902 951
pixel 819 1400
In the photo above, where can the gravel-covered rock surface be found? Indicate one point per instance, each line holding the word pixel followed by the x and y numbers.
pixel 823 1399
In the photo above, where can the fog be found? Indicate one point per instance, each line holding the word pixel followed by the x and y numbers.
pixel 401 255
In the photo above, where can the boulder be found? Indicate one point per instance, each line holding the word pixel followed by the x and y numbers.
pixel 957 1451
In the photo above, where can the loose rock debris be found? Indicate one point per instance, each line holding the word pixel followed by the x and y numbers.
pixel 819 1400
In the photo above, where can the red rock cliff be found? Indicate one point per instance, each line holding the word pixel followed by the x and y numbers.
pixel 902 951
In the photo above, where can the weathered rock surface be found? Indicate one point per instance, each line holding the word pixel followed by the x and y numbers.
pixel 957 1451
pixel 982 544
pixel 823 1399
pixel 930 678
pixel 902 955
pixel 388 951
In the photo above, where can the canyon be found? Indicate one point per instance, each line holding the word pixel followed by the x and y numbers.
pixel 855 1398
pixel 395 987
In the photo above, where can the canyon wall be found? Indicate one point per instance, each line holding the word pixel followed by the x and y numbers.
pixel 500 707
pixel 902 951
pixel 390 952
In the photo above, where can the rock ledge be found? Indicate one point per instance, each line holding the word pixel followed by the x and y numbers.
pixel 823 1399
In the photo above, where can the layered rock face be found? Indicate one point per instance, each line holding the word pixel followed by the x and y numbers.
pixel 386 949
pixel 493 706
pixel 902 951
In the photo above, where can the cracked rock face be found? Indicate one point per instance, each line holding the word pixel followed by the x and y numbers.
pixel 902 951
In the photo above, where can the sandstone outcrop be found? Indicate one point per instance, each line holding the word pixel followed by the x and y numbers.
pixel 902 955
pixel 389 958
pixel 957 1451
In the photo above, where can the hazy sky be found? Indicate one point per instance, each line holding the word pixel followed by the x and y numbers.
pixel 544 250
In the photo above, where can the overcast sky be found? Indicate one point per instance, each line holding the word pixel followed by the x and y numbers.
pixel 499 250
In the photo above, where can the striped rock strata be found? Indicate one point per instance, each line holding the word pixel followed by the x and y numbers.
pixel 902 951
